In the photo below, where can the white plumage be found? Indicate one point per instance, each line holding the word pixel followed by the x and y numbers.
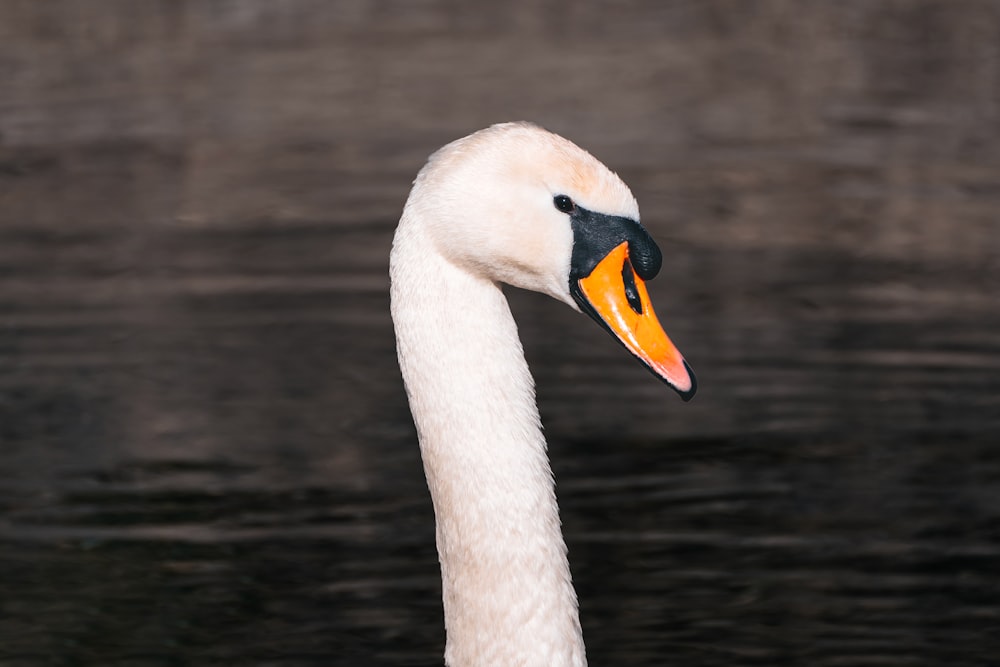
pixel 481 213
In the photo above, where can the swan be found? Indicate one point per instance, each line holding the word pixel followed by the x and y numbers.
pixel 511 204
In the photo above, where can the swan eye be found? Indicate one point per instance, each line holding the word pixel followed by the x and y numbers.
pixel 564 203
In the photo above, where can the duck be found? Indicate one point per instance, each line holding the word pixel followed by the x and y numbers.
pixel 512 204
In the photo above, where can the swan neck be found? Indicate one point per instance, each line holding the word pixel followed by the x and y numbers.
pixel 507 592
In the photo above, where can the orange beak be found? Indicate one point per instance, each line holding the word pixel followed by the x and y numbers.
pixel 617 298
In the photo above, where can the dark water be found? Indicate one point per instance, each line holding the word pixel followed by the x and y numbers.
pixel 207 457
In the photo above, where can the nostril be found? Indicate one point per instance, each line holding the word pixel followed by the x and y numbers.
pixel 631 290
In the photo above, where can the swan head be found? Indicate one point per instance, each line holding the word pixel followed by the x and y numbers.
pixel 516 204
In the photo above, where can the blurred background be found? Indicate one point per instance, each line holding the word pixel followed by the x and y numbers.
pixel 206 456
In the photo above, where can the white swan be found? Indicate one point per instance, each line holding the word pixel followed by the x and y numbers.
pixel 509 204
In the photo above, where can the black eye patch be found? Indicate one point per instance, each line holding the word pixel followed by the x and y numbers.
pixel 597 234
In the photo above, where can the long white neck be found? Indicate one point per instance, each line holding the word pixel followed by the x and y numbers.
pixel 508 597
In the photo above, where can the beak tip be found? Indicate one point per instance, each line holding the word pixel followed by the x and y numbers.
pixel 688 394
